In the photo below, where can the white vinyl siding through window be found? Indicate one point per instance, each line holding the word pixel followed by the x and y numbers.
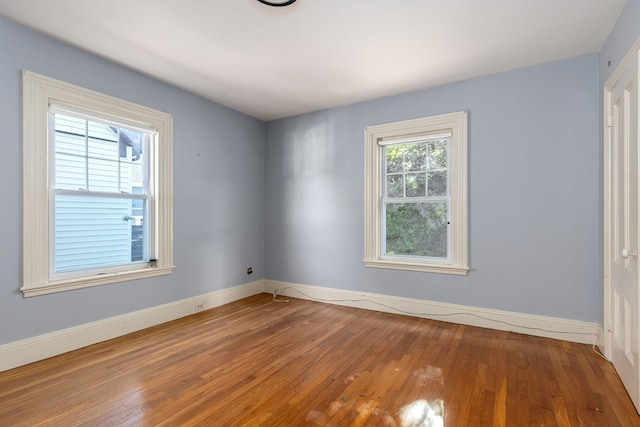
pixel 98 185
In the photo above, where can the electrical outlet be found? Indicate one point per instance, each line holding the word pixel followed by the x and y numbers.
pixel 198 307
pixel 249 270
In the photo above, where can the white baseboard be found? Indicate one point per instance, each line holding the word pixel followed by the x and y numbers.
pixel 29 350
pixel 543 326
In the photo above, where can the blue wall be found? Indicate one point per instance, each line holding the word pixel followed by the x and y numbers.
pixel 218 195
pixel 534 206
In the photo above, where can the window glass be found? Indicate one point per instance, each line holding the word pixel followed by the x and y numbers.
pixel 416 229
pixel 416 206
pixel 92 158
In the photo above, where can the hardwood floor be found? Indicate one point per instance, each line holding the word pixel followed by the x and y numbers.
pixel 256 362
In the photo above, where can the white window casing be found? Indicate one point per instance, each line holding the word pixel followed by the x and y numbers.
pixel 452 126
pixel 39 94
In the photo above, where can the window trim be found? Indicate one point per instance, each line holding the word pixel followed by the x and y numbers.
pixel 40 91
pixel 456 123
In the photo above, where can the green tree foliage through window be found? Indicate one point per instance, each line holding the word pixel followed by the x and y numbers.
pixel 416 199
pixel 417 229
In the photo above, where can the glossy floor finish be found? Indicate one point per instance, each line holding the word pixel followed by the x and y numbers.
pixel 256 362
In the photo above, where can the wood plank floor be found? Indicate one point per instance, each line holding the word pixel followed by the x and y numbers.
pixel 256 362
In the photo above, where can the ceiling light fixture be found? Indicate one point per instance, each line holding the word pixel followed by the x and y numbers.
pixel 277 3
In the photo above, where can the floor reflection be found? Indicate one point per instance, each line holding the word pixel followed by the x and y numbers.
pixel 429 374
pixel 373 397
pixel 422 413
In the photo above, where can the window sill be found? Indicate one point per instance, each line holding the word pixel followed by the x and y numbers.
pixel 86 282
pixel 412 266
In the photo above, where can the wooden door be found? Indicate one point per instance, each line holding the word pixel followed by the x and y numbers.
pixel 622 337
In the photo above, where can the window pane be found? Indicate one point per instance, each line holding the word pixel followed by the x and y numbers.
pixel 95 232
pixel 101 131
pixel 131 177
pixel 132 158
pixel 72 144
pixel 101 149
pixel 72 128
pixel 395 185
pixel 415 157
pixel 438 183
pixel 416 184
pixel 71 172
pixel 103 175
pixel 438 154
pixel 138 209
pixel 416 229
pixel 394 158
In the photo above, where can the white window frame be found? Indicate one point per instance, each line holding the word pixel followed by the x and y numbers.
pixel 38 93
pixel 414 130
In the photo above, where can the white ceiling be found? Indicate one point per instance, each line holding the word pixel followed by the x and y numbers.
pixel 275 62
